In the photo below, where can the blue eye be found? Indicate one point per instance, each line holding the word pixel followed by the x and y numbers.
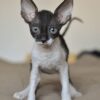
pixel 36 29
pixel 53 30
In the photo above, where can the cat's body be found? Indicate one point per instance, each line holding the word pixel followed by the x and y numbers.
pixel 50 52
pixel 52 56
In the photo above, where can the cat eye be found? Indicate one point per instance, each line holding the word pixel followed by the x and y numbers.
pixel 36 29
pixel 52 30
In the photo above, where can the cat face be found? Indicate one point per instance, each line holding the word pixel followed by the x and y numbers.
pixel 44 28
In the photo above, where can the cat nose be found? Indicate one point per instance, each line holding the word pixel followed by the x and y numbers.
pixel 43 40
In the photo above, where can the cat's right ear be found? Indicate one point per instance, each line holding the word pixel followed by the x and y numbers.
pixel 28 10
pixel 64 11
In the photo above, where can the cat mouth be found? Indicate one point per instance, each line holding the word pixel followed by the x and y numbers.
pixel 47 43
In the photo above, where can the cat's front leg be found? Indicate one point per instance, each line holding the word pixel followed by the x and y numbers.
pixel 34 80
pixel 64 78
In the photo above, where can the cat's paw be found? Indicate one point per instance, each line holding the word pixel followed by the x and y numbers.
pixel 19 96
pixel 77 94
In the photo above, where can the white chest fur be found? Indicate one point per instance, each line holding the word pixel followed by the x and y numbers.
pixel 48 58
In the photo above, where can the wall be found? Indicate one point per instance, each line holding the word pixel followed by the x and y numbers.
pixel 16 42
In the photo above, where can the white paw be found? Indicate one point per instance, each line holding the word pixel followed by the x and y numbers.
pixel 77 94
pixel 19 96
pixel 66 98
pixel 74 92
pixel 31 97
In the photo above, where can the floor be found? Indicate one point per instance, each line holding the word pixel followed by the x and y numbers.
pixel 85 74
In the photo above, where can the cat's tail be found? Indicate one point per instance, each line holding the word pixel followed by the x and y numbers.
pixel 95 53
pixel 69 23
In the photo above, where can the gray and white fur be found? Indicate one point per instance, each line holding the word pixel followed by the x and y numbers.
pixel 50 52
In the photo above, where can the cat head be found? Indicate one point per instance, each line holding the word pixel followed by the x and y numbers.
pixel 45 25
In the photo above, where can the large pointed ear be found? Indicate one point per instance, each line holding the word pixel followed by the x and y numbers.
pixel 63 11
pixel 28 10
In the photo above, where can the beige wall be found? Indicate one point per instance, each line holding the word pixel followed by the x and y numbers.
pixel 16 42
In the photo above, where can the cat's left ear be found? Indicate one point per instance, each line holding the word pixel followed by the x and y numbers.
pixel 63 11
